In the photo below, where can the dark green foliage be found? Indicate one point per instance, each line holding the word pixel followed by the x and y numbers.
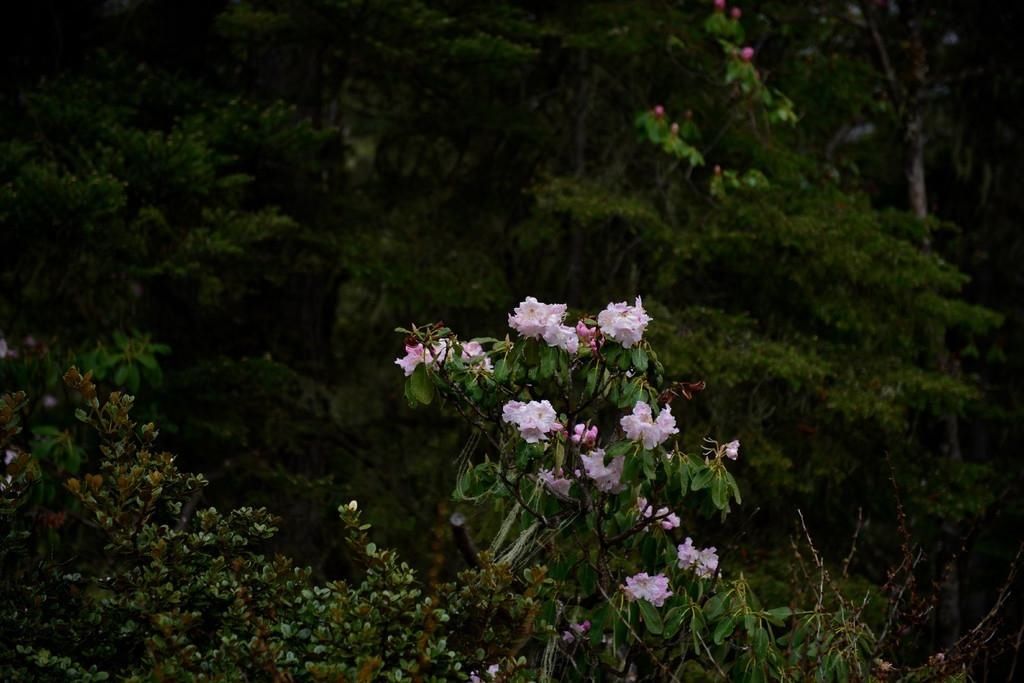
pixel 184 594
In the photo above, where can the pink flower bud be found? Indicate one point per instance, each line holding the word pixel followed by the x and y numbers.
pixel 747 53
pixel 718 170
pixel 719 5
pixel 659 111
pixel 736 13
pixel 675 129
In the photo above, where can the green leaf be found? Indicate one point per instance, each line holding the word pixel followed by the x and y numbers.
pixel 639 357
pixel 652 620
pixel 420 386
pixel 724 630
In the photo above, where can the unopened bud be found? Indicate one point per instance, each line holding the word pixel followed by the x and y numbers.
pixel 747 53
pixel 659 111
pixel 736 13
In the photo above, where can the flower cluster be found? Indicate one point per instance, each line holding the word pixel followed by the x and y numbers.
pixel 653 589
pixel 437 354
pixel 535 320
pixel 535 420
pixel 641 425
pixel 624 323
pixel 491 672
pixel 703 562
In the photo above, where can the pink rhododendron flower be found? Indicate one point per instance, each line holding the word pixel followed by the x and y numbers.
pixel 659 111
pixel 606 477
pixel 707 563
pixel 641 425
pixel 535 420
pixel 747 53
pixel 736 13
pixel 576 630
pixel 49 401
pixel 687 554
pixel 703 562
pixel 653 589
pixel 587 335
pixel 585 436
pixel 732 449
pixel 9 455
pixel 556 484
pixel 472 350
pixel 535 320
pixel 720 5
pixel 665 517
pixel 417 353
pixel 414 355
pixel 532 318
pixel 624 323
pixel 562 336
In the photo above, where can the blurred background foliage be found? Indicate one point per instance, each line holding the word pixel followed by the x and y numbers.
pixel 227 208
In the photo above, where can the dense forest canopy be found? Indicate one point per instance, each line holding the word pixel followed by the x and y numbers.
pixel 225 209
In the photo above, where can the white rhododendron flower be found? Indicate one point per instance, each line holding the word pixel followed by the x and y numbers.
pixel 535 420
pixel 624 323
pixel 557 485
pixel 606 477
pixel 653 589
pixel 641 425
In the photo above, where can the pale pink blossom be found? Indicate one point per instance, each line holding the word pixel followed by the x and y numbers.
pixel 7 351
pixel 707 564
pixel 9 455
pixel 674 128
pixel 704 562
pixel 535 420
pixel 473 350
pixel 659 111
pixel 720 5
pixel 732 449
pixel 747 53
pixel 624 323
pixel 667 519
pixel 587 335
pixel 49 401
pixel 642 426
pixel 563 337
pixel 653 589
pixel 556 484
pixel 576 630
pixel 532 318
pixel 688 555
pixel 414 355
pixel 736 13
pixel 606 477
pixel 585 436
pixel 417 353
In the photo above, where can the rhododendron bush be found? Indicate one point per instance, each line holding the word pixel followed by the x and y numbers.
pixel 581 456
